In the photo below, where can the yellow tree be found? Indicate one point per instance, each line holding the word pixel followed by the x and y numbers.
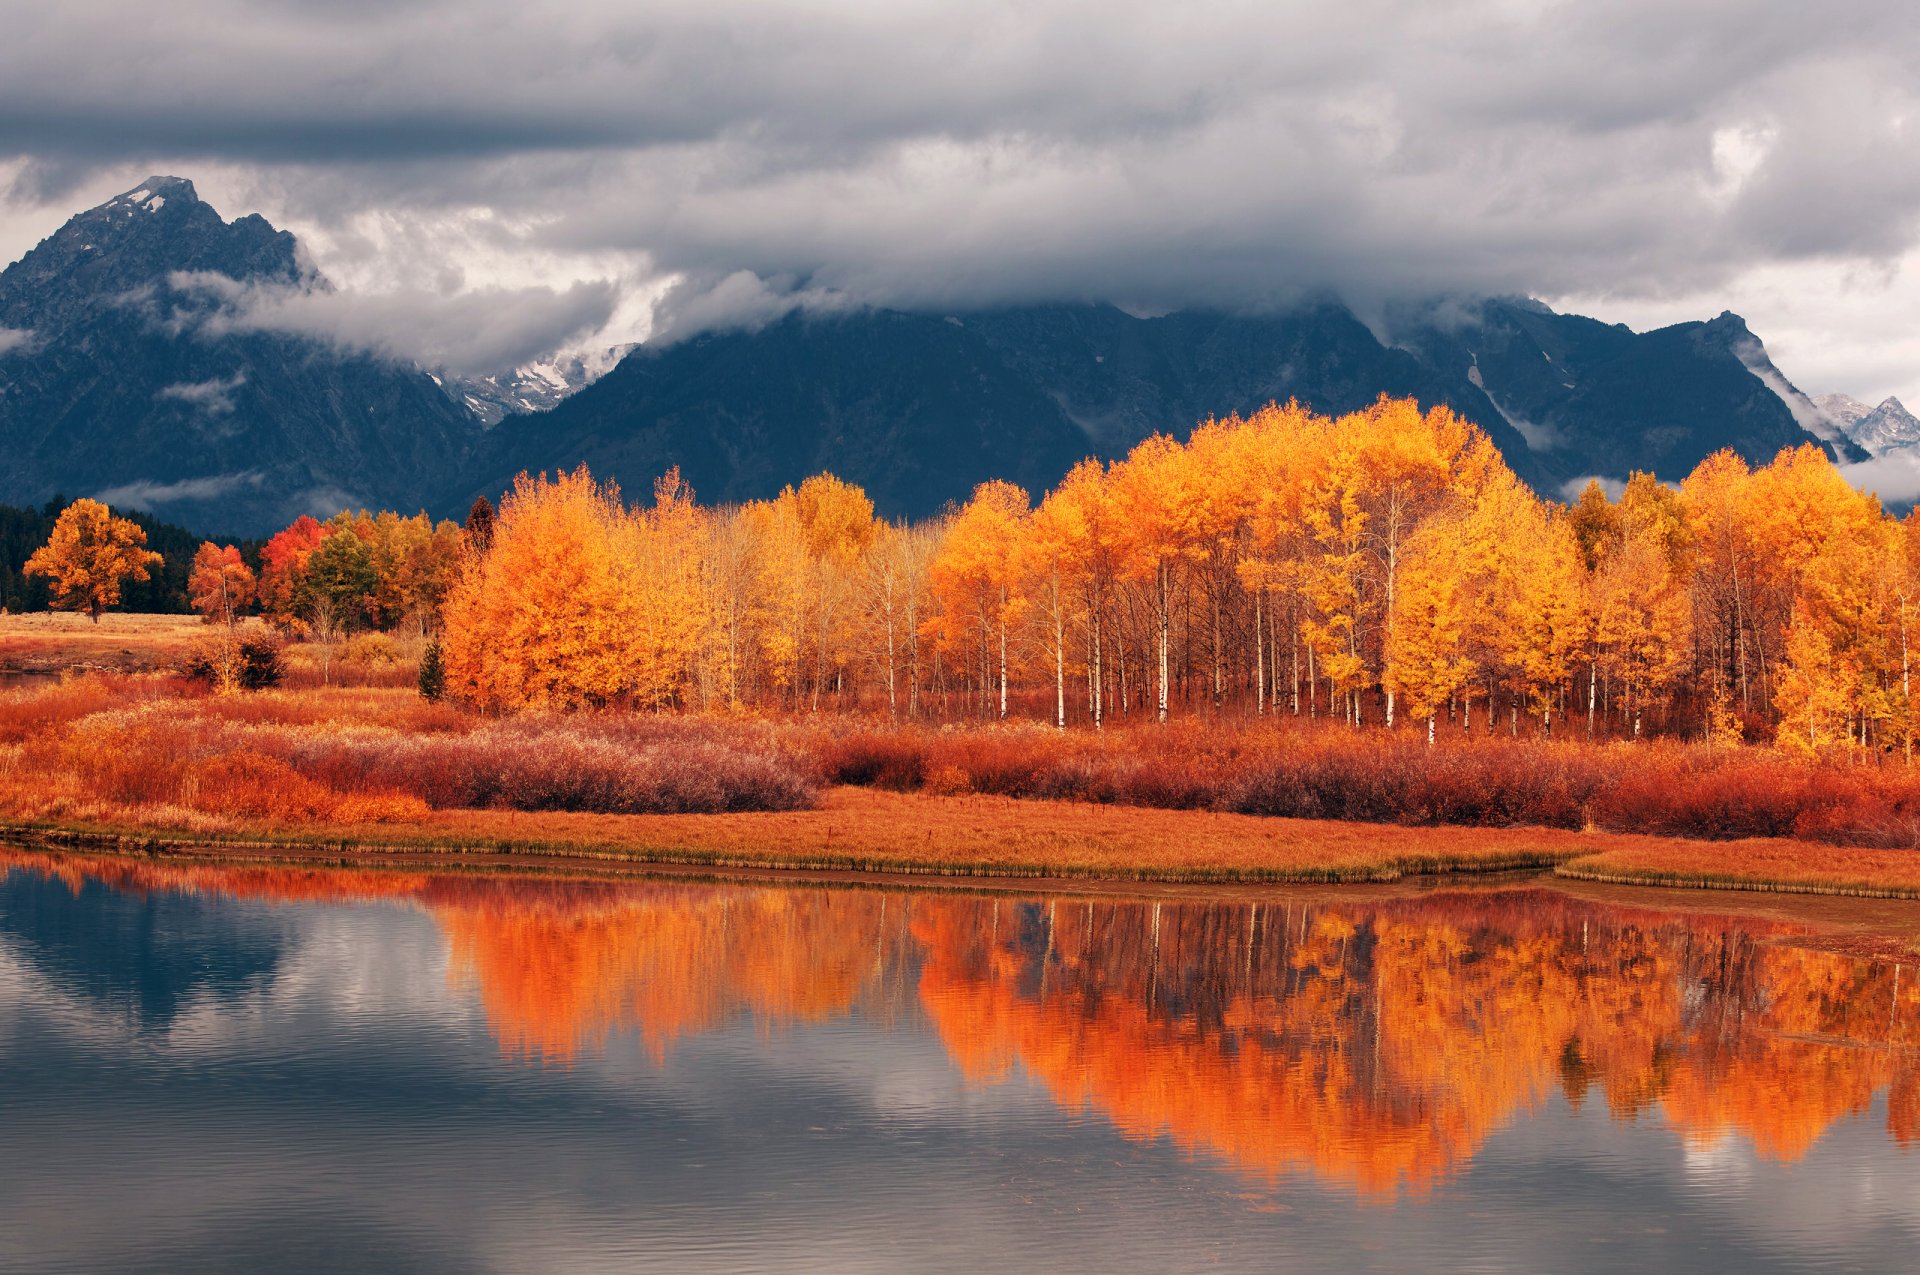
pixel 1336 574
pixel 1222 472
pixel 1411 464
pixel 837 524
pixel 1060 559
pixel 893 590
pixel 1719 503
pixel 781 593
pixel 1085 524
pixel 1154 488
pixel 1541 621
pixel 735 605
pixel 1642 617
pixel 669 543
pixel 90 556
pixel 1427 657
pixel 1812 694
pixel 548 616
pixel 977 578
pixel 1288 449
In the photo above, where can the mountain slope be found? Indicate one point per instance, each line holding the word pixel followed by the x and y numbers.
pixel 1600 399
pixel 912 407
pixel 110 386
pixel 120 378
pixel 918 408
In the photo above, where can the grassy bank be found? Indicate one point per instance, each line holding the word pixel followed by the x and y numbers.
pixel 863 830
pixel 152 761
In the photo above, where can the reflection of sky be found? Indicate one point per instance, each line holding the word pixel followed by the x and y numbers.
pixel 345 1106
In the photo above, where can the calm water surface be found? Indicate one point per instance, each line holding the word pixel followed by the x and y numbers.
pixel 213 1069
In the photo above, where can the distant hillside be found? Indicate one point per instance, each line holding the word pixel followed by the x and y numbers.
pixel 918 408
pixel 110 386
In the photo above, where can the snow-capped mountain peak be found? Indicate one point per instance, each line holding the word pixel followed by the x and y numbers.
pixel 1878 429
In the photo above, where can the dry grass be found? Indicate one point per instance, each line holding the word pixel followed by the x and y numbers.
pixel 63 641
pixel 1330 772
pixel 124 748
pixel 870 831
pixel 1787 867
pixel 152 757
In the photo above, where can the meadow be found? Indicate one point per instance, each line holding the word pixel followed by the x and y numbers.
pixel 158 758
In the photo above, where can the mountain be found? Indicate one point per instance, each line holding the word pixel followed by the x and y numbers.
pixel 113 384
pixel 1881 429
pixel 125 374
pixel 1842 409
pixel 920 407
pixel 1600 399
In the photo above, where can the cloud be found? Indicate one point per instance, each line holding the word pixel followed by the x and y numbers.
pixel 1571 489
pixel 12 339
pixel 759 156
pixel 1893 476
pixel 150 496
pixel 214 397
pixel 471 332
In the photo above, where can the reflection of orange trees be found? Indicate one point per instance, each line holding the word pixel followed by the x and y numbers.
pixel 251 884
pixel 563 967
pixel 1377 1045
pixel 1380 1046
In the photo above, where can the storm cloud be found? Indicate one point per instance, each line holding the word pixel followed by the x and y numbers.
pixel 742 157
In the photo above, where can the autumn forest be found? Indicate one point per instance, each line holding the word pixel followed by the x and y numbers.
pixel 1383 569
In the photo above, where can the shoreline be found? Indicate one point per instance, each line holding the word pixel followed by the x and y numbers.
pixel 1865 925
pixel 870 833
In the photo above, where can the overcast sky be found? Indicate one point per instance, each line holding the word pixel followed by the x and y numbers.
pixel 580 164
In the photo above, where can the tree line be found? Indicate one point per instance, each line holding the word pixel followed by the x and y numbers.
pixel 1384 567
pixel 1381 567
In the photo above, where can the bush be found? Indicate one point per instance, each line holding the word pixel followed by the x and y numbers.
pixel 249 663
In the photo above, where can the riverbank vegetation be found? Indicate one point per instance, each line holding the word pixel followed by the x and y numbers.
pixel 1366 619
pixel 1382 569
pixel 161 758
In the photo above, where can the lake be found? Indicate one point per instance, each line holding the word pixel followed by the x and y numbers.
pixel 208 1068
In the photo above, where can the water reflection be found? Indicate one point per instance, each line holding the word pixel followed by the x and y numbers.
pixel 725 1076
pixel 1381 1045
pixel 1375 1045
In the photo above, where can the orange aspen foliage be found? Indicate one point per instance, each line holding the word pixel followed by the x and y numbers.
pixel 552 615
pixel 977 579
pixel 1427 645
pixel 283 566
pixel 222 585
pixel 90 555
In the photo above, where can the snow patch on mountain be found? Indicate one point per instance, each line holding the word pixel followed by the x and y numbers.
pixel 1845 409
pixel 1539 438
pixel 532 387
